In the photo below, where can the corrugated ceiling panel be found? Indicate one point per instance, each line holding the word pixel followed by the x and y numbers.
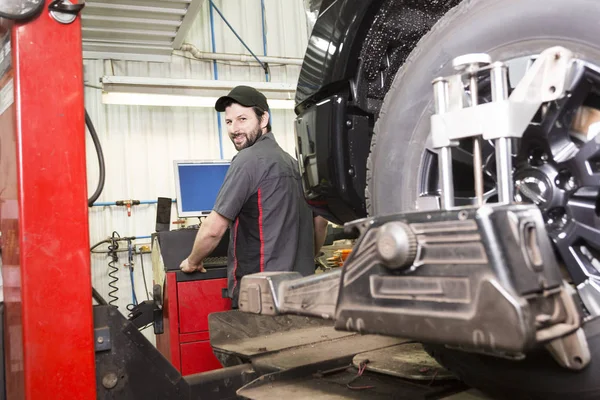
pixel 135 29
pixel 140 143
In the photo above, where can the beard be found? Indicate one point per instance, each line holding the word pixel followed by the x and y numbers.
pixel 249 138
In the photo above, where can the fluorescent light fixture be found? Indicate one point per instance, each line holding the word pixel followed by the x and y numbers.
pixel 171 100
pixel 190 83
pixel 173 92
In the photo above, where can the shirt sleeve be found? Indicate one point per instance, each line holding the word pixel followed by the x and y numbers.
pixel 238 186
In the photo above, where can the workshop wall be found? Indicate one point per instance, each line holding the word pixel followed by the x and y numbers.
pixel 140 142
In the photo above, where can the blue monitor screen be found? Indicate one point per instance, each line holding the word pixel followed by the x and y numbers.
pixel 198 184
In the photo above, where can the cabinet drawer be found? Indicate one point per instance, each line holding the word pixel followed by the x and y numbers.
pixel 198 357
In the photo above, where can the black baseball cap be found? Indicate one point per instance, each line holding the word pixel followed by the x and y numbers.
pixel 244 95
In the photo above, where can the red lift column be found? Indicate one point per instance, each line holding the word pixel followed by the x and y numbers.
pixel 48 331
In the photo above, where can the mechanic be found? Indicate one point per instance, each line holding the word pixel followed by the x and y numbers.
pixel 261 199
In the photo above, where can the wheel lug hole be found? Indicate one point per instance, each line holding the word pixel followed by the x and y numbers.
pixel 565 181
pixel 556 218
pixel 537 157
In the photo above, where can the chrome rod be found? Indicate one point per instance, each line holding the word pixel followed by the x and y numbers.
pixel 477 147
pixel 440 94
pixel 499 84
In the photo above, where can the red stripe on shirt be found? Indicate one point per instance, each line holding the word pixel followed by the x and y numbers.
pixel 235 262
pixel 260 230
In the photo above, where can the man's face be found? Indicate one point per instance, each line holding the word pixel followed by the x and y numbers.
pixel 243 126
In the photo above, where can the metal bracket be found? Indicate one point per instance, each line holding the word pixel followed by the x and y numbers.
pixel 102 339
pixel 500 120
pixel 544 81
pixel 571 351
pixel 274 293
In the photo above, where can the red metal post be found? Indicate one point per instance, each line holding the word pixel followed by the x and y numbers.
pixel 49 349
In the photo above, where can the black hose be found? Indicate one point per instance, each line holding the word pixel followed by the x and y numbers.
pixel 110 240
pixel 98 244
pixel 90 126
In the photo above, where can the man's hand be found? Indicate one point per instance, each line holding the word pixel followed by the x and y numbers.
pixel 210 233
pixel 187 267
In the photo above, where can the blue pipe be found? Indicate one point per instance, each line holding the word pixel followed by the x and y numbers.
pixel 130 262
pixel 216 76
pixel 213 43
pixel 236 35
pixel 113 203
pixel 264 35
pixel 104 203
pixel 134 298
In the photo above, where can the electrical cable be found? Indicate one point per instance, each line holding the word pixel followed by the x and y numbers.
pixel 144 275
pixel 100 154
pixel 114 270
pixel 110 240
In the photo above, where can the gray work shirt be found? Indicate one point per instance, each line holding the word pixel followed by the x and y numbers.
pixel 272 226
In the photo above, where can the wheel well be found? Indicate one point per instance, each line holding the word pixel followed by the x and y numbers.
pixel 394 33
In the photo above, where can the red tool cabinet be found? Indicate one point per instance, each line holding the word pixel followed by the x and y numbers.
pixel 187 301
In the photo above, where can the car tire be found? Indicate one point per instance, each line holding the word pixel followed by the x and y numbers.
pixel 505 29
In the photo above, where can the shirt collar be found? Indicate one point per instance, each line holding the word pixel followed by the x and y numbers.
pixel 267 135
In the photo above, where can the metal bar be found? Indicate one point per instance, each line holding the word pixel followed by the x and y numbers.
pixel 504 170
pixel 440 92
pixel 100 46
pixel 190 16
pixel 113 55
pixel 124 7
pixel 128 41
pixel 446 176
pixel 477 147
pixel 139 32
pixel 113 203
pixel 98 297
pixel 499 84
pixel 129 20
pixel 173 100
pixel 46 263
pixel 236 35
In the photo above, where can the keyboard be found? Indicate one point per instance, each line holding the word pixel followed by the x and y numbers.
pixel 215 262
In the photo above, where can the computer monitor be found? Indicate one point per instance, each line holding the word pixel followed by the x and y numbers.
pixel 197 185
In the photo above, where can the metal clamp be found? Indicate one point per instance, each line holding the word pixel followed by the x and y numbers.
pixel 505 117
